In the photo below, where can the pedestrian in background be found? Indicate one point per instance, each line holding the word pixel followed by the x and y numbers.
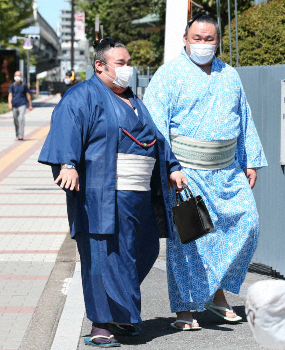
pixel 199 105
pixel 69 81
pixel 18 96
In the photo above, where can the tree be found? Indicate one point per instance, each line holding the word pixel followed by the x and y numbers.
pixel 116 16
pixel 13 17
pixel 210 8
pixel 261 34
pixel 142 53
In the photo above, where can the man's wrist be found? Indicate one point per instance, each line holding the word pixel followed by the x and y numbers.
pixel 67 166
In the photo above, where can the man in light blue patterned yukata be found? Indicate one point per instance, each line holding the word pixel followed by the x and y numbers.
pixel 199 105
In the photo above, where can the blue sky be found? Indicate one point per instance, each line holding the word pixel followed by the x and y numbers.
pixel 50 10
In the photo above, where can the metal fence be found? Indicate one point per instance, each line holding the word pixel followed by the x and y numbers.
pixel 139 82
pixel 262 85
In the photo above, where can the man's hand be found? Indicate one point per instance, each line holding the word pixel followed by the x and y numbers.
pixel 10 106
pixel 251 175
pixel 175 179
pixel 30 107
pixel 69 179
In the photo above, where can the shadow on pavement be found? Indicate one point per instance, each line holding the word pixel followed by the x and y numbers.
pixel 208 320
pixel 160 327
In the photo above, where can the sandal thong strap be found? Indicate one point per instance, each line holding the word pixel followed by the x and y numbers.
pixel 101 336
pixel 188 322
pixel 222 308
pixel 121 326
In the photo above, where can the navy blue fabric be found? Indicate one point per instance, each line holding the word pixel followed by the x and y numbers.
pixel 113 266
pixel 84 132
pixel 19 94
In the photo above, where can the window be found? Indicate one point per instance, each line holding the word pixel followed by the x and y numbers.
pixel 81 52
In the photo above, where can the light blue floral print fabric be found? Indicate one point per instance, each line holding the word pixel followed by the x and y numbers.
pixel 183 100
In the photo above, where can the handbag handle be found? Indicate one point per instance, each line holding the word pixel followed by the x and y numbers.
pixel 188 194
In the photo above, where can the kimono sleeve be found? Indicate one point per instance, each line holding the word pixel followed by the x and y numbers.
pixel 172 164
pixel 249 152
pixel 67 133
pixel 158 101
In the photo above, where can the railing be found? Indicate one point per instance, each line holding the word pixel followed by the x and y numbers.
pixel 262 86
pixel 140 81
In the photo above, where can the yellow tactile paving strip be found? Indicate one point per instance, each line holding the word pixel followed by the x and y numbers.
pixel 13 128
pixel 14 154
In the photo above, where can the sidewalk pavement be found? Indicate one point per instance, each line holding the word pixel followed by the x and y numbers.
pixel 33 226
pixel 42 305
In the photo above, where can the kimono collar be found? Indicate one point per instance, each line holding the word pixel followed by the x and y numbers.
pixel 131 97
pixel 128 91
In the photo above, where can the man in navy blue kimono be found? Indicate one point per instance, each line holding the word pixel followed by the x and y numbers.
pixel 115 166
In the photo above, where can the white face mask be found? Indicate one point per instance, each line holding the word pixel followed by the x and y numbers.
pixel 67 81
pixel 123 75
pixel 201 53
pixel 17 78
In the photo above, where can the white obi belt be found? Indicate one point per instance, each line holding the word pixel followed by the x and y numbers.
pixel 134 172
pixel 205 155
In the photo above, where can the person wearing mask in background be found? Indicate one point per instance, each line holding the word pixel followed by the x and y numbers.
pixel 18 95
pixel 69 81
pixel 107 153
pixel 199 105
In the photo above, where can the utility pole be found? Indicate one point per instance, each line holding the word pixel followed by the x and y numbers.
pixel 28 68
pixel 230 31
pixel 73 3
pixel 175 22
pixel 219 23
pixel 236 23
pixel 72 34
pixel 97 28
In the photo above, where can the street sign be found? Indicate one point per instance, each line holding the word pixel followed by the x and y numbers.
pixel 13 39
pixel 79 25
pixel 32 30
pixel 28 43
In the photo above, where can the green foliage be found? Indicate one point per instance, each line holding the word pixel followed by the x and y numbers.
pixel 210 7
pixel 142 53
pixel 157 38
pixel 158 7
pixel 13 17
pixel 4 105
pixel 261 34
pixel 82 76
pixel 117 15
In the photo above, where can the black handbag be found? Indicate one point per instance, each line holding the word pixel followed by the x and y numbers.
pixel 191 217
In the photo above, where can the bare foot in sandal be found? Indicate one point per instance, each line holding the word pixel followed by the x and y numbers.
pixel 220 300
pixel 186 316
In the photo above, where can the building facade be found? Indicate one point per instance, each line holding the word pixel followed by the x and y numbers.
pixel 81 44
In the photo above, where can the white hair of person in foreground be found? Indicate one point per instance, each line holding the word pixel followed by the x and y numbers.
pixel 265 310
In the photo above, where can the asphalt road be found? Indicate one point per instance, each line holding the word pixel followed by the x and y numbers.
pixel 157 333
